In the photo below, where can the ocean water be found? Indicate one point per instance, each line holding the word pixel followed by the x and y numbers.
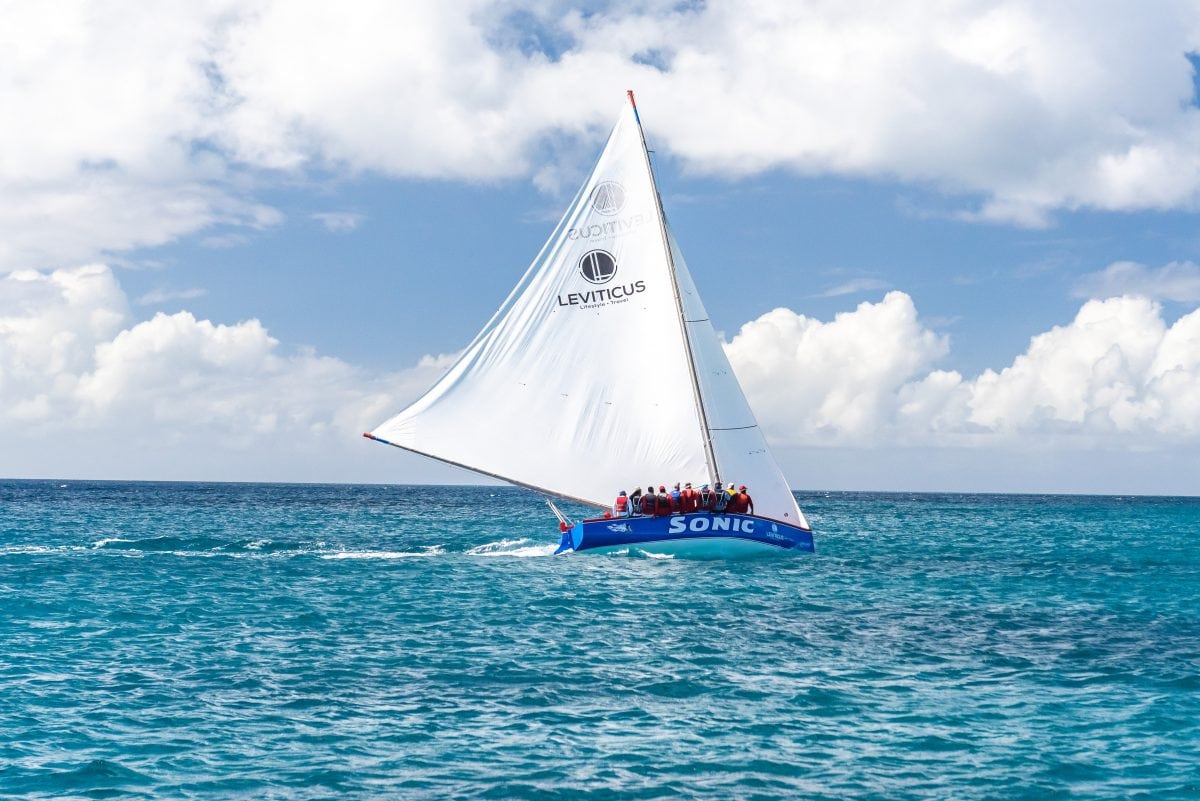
pixel 297 641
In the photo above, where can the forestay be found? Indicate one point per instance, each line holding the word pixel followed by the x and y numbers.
pixel 582 384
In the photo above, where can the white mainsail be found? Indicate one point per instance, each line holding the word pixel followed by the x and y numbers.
pixel 588 379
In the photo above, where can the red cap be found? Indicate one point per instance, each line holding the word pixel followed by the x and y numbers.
pixel 742 488
pixel 662 489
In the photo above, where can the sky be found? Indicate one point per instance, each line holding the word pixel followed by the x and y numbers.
pixel 951 246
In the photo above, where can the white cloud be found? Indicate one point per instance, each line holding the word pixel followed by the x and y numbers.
pixel 124 140
pixel 157 296
pixel 1117 372
pixel 1035 109
pixel 72 361
pixel 1178 281
pixel 807 379
pixel 183 397
pixel 48 325
pixel 339 221
pixel 1116 369
pixel 853 287
pixel 105 146
pixel 82 217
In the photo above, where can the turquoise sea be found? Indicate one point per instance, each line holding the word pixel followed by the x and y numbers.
pixel 299 641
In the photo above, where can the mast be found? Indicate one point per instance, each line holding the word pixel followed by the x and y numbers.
pixel 709 454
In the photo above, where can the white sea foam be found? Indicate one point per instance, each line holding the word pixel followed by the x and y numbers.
pixel 532 550
pixel 499 545
pixel 433 550
pixel 226 554
pixel 109 541
pixel 512 547
pixel 40 549
pixel 649 555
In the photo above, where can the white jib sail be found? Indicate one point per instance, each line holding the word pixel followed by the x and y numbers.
pixel 738 444
pixel 580 385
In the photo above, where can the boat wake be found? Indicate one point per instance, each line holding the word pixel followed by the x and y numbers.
pixel 209 548
pixel 432 550
pixel 518 548
pixel 638 552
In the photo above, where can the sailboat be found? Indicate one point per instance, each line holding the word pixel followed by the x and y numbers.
pixel 601 370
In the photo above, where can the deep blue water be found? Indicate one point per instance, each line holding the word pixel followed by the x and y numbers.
pixel 295 641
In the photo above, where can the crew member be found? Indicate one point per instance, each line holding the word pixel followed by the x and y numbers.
pixel 689 499
pixel 621 505
pixel 664 501
pixel 742 502
pixel 635 501
pixel 720 499
pixel 676 500
pixel 706 498
pixel 650 502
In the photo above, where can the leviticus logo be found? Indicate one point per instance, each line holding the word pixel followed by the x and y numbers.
pixel 598 266
pixel 608 197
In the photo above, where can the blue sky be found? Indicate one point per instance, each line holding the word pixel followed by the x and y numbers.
pixel 252 235
pixel 788 241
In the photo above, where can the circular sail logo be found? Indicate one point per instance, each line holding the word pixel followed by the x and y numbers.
pixel 608 197
pixel 598 266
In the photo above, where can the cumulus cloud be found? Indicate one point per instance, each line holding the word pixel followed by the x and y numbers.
pixel 48 325
pixel 1034 109
pixel 1018 110
pixel 869 377
pixel 806 378
pixel 1179 281
pixel 76 366
pixel 72 359
pixel 1116 368
pixel 106 149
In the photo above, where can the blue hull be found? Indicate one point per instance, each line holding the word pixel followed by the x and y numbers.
pixel 697 534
